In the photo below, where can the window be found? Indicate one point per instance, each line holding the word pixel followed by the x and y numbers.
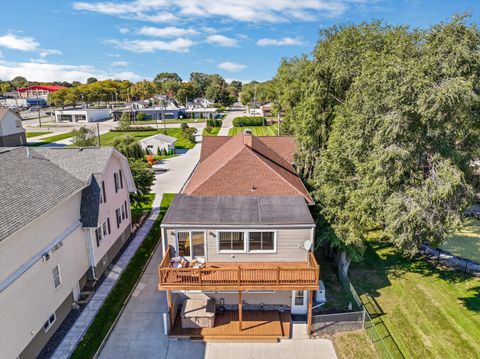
pixel 104 229
pixel 191 243
pixel 231 241
pixel 121 178
pixel 261 241
pixel 108 225
pixel 98 236
pixel 119 218
pixel 123 212
pixel 103 195
pixel 56 276
pixel 49 322
pixel 299 297
pixel 115 179
pixel 126 209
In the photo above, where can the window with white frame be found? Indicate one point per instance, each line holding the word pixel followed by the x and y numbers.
pixel 102 231
pixel 231 241
pixel 49 322
pixel 247 241
pixel 57 280
pixel 261 241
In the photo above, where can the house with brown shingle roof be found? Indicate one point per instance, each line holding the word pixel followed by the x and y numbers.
pixel 239 235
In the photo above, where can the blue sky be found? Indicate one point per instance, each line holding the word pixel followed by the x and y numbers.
pixel 134 39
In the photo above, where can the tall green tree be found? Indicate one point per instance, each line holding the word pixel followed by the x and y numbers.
pixel 129 147
pixel 144 178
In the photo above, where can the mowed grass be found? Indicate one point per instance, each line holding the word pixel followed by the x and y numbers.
pixel 420 310
pixel 213 131
pixel 36 134
pixel 51 139
pixel 256 130
pixel 351 345
pixel 107 138
pixel 465 242
pixel 144 207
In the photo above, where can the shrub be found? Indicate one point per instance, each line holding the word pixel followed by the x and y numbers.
pixel 214 123
pixel 248 121
pixel 84 137
pixel 140 116
pixel 124 122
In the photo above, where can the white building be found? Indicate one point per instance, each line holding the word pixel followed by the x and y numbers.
pixel 12 132
pixel 158 142
pixel 83 115
pixel 67 215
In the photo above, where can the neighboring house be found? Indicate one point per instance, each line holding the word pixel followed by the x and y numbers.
pixel 201 112
pixel 65 216
pixel 38 90
pixel 12 132
pixel 200 102
pixel 83 115
pixel 266 110
pixel 242 228
pixel 158 142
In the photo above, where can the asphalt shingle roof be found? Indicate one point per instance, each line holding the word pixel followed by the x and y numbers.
pixel 238 210
pixel 34 181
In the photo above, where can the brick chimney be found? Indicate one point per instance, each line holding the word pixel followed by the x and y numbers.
pixel 247 137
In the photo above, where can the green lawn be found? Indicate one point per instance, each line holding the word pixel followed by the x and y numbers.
pixel 351 345
pixel 113 304
pixel 145 207
pixel 256 130
pixel 160 123
pixel 466 242
pixel 424 311
pixel 213 132
pixel 35 134
pixel 51 139
pixel 107 138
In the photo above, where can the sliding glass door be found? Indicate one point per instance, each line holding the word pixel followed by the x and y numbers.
pixel 191 244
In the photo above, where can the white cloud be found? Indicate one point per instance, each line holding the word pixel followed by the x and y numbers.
pixel 113 55
pixel 18 43
pixel 231 66
pixel 279 42
pixel 240 10
pixel 48 52
pixel 45 72
pixel 222 40
pixel 124 30
pixel 170 31
pixel 119 63
pixel 177 45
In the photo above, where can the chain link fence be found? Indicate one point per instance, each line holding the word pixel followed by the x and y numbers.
pixel 446 258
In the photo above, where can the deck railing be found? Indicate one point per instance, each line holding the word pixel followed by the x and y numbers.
pixel 288 276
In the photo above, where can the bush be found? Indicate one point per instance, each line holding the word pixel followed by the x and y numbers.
pixel 133 129
pixel 84 137
pixel 124 122
pixel 214 123
pixel 140 116
pixel 244 121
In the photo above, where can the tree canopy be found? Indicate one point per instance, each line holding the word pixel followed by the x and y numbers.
pixel 387 123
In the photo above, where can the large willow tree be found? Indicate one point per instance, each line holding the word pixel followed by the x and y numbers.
pixel 388 121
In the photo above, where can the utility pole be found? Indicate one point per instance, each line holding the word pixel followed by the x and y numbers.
pixel 254 99
pixel 38 109
pixel 98 135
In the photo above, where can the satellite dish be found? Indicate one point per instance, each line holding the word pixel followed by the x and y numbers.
pixel 307 245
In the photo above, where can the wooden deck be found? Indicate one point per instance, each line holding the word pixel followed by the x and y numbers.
pixel 257 326
pixel 241 276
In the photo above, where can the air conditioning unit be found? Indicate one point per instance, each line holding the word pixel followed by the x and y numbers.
pixel 46 257
pixel 320 293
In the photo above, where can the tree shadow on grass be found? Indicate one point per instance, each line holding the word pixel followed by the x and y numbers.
pixel 472 302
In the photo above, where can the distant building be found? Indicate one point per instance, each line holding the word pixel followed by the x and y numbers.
pixel 83 115
pixel 12 132
pixel 201 112
pixel 200 102
pixel 158 142
pixel 34 91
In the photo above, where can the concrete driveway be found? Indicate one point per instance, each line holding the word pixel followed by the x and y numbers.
pixel 227 121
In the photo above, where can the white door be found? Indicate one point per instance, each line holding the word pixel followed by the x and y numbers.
pixel 299 302
pixel 191 244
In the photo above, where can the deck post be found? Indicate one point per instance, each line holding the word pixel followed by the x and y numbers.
pixel 240 310
pixel 170 308
pixel 309 313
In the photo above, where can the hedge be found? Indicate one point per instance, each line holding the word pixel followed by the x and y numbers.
pixel 248 121
pixel 214 123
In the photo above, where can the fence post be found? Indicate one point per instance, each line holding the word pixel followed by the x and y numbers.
pixel 363 317
pixel 466 265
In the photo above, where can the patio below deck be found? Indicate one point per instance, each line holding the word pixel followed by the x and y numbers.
pixel 257 326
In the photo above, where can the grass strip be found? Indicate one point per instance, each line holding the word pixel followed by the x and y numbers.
pixel 36 134
pixel 113 304
pixel 107 138
pixel 256 130
pixel 213 131
pixel 51 139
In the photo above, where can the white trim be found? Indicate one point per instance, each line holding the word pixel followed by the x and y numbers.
pixel 231 251
pixel 50 324
pixel 261 250
pixel 59 276
pixel 238 226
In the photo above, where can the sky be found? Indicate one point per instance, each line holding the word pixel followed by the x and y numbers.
pixel 62 40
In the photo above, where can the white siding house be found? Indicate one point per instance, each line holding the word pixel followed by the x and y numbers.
pixel 12 132
pixel 158 142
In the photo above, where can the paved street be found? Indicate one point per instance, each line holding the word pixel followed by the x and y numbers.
pixel 227 122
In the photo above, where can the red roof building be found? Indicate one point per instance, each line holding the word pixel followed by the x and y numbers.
pixel 39 90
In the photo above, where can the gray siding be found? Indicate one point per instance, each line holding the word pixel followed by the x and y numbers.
pixel 289 246
pixel 279 297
